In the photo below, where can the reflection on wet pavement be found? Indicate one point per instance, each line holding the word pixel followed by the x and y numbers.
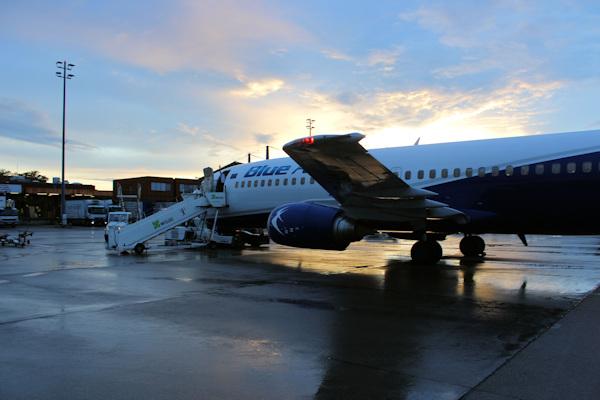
pixel 277 322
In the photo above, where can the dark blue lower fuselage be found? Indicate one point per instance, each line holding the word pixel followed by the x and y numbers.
pixel 557 201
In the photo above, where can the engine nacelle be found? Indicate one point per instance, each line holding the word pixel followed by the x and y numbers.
pixel 312 226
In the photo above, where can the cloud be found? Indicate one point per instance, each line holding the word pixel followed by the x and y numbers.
pixel 207 138
pixel 215 35
pixel 457 26
pixel 23 122
pixel 383 58
pixel 264 138
pixel 259 88
pixel 441 115
pixel 511 37
pixel 20 121
pixel 336 55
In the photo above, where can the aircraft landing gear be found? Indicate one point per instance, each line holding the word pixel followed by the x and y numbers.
pixel 426 252
pixel 472 246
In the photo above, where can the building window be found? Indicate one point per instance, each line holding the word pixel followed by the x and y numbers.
pixel 160 187
pixel 445 173
pixel 469 172
pixel 539 169
pixel 495 171
pixel 481 172
pixel 421 174
pixel 407 175
pixel 456 172
pixel 586 167
pixel 432 173
pixel 524 170
pixel 509 170
pixel 571 168
pixel 187 187
pixel 556 168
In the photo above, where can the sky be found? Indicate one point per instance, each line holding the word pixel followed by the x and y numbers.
pixel 167 88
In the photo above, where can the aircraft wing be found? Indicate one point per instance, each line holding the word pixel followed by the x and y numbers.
pixel 364 187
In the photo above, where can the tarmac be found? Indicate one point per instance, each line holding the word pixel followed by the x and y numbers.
pixel 78 322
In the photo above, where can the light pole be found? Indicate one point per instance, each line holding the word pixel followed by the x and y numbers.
pixel 310 126
pixel 62 73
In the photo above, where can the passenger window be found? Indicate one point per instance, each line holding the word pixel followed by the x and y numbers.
pixel 432 173
pixel 539 169
pixel 270 182
pixel 456 172
pixel 586 167
pixel 276 182
pixel 445 173
pixel 469 172
pixel 407 175
pixel 524 170
pixel 243 182
pixel 293 181
pixel 312 181
pixel 285 182
pixel 420 174
pixel 571 168
pixel 495 171
pixel 556 168
pixel 236 185
pixel 509 170
pixel 256 183
pixel 302 180
pixel 481 172
pixel 262 183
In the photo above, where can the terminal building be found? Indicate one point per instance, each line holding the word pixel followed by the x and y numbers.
pixel 153 192
pixel 40 201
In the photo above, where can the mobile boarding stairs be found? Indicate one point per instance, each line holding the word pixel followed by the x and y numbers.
pixel 200 206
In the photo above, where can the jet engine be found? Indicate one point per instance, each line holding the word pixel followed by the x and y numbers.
pixel 313 226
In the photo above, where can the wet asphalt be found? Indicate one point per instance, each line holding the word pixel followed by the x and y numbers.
pixel 77 322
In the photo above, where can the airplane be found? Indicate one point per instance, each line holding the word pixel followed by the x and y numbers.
pixel 332 191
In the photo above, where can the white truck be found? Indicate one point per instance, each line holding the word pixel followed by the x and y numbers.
pixel 8 213
pixel 86 212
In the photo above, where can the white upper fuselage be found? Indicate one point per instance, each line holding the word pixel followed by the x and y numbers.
pixel 257 188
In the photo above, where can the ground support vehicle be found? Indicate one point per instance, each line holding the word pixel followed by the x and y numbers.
pixel 21 240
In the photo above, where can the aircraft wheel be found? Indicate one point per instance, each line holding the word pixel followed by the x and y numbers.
pixel 472 246
pixel 139 248
pixel 426 252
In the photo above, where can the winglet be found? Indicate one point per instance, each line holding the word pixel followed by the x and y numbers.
pixel 307 141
